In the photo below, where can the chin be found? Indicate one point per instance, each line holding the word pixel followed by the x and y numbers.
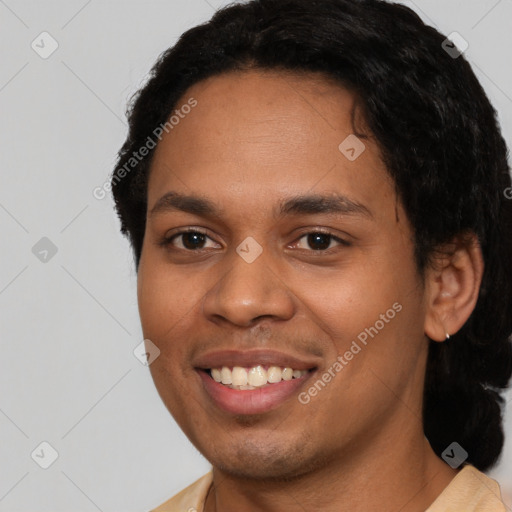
pixel 258 461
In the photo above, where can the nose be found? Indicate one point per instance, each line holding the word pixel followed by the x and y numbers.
pixel 248 292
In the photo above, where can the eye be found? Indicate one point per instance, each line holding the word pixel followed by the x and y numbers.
pixel 321 241
pixel 192 239
pixel 188 240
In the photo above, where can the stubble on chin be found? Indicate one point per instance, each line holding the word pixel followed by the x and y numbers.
pixel 269 462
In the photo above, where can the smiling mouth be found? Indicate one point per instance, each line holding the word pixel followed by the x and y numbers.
pixel 255 377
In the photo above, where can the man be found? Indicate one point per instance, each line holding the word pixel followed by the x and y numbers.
pixel 318 222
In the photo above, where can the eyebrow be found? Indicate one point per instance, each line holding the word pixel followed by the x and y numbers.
pixel 333 204
pixel 297 205
pixel 173 201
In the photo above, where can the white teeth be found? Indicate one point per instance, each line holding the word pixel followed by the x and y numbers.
pixel 257 376
pixel 274 374
pixel 287 374
pixel 239 376
pixel 245 379
pixel 225 374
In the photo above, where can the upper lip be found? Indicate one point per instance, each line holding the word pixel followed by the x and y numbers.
pixel 250 358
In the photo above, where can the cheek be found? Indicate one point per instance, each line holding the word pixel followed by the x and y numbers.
pixel 166 310
pixel 344 302
pixel 165 299
pixel 372 313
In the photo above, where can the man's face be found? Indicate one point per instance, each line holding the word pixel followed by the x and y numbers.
pixel 263 280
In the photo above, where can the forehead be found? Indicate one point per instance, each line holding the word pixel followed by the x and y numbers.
pixel 266 108
pixel 262 133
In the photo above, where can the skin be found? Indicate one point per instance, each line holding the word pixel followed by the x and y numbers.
pixel 254 139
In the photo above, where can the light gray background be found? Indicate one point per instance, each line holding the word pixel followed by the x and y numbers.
pixel 69 326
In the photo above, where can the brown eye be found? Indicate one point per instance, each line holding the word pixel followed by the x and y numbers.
pixel 193 240
pixel 320 241
pixel 189 240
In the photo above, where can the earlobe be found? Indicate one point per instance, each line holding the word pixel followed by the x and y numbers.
pixel 452 287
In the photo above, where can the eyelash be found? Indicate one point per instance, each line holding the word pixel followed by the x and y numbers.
pixel 168 241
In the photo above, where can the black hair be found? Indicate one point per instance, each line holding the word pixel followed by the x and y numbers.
pixel 440 141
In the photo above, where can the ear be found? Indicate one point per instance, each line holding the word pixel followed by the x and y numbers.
pixel 452 284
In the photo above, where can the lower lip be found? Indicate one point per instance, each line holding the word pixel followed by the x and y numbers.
pixel 251 401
